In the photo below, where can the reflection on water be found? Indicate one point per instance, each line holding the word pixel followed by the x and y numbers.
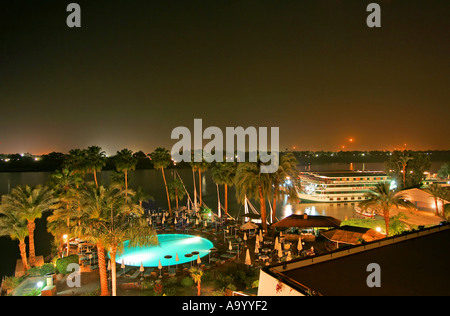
pixel 339 211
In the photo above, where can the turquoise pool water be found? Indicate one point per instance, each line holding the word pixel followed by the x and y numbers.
pixel 169 245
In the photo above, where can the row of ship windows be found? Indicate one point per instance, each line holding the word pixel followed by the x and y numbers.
pixel 347 199
pixel 361 179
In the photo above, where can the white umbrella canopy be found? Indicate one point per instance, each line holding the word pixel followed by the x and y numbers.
pixel 289 257
pixel 299 245
pixel 248 260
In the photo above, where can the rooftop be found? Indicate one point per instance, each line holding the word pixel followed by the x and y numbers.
pixel 411 264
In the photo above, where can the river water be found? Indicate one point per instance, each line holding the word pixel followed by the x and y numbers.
pixel 152 182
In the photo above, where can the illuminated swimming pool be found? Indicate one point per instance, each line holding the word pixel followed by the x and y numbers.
pixel 169 245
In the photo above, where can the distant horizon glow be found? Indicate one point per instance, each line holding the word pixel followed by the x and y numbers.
pixel 129 75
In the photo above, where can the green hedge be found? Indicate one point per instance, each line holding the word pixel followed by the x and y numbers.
pixel 62 263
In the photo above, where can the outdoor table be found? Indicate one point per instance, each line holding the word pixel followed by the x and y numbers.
pixel 265 250
pixel 189 255
pixel 264 257
pixel 168 257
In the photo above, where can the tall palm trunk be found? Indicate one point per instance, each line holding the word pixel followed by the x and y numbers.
pixel 263 210
pixel 176 197
pixel 226 199
pixel 95 179
pixel 23 254
pixel 113 271
pixel 386 220
pixel 200 186
pixel 275 194
pixel 102 270
pixel 167 190
pixel 436 206
pixel 31 226
pixel 195 190
pixel 126 183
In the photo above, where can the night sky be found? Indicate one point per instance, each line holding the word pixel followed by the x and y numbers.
pixel 137 69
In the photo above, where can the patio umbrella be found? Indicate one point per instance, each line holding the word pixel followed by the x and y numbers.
pixel 256 250
pixel 230 247
pixel 275 246
pixel 248 260
pixel 280 252
pixel 176 258
pixel 289 257
pixel 160 268
pixel 260 235
pixel 299 245
pixel 198 260
pixel 123 264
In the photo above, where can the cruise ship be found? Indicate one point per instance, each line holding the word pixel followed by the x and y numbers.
pixel 338 186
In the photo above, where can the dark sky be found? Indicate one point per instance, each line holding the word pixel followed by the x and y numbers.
pixel 137 69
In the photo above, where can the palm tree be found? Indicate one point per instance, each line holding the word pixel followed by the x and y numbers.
pixel 65 184
pixel 435 190
pixel 250 182
pixel 196 275
pixel 444 195
pixel 199 166
pixel 161 159
pixel 125 161
pixel 76 161
pixel 123 221
pixel 403 162
pixel 29 204
pixel 224 173
pixel 141 196
pixel 65 179
pixel 95 201
pixel 287 168
pixel 16 229
pixel 95 161
pixel 176 190
pixel 382 197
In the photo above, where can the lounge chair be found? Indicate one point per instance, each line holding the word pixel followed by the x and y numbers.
pixel 135 274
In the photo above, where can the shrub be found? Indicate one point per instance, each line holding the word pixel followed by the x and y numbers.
pixel 62 263
pixel 42 270
pixel 187 282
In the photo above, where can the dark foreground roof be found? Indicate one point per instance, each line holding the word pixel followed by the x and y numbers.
pixel 416 266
